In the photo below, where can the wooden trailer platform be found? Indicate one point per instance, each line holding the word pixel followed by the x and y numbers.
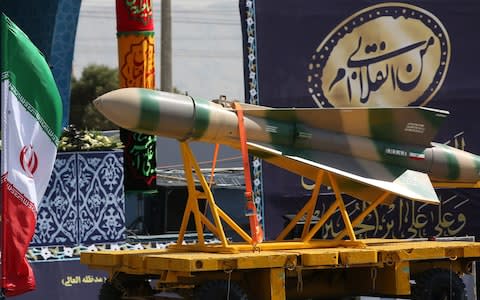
pixel 382 267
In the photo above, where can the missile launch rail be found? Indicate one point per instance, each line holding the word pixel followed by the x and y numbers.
pixel 284 269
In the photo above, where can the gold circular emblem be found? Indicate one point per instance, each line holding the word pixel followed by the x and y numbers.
pixel 391 54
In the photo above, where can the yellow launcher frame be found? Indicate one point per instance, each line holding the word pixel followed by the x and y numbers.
pixel 306 241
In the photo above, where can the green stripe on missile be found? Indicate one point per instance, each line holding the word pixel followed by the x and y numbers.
pixel 149 110
pixel 453 166
pixel 281 133
pixel 202 117
pixel 476 161
pixel 384 126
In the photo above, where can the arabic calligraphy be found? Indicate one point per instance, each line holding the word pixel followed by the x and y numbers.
pixel 138 65
pixel 70 281
pixel 402 219
pixel 143 154
pixel 140 10
pixel 361 63
pixel 139 155
pixel 137 69
pixel 359 69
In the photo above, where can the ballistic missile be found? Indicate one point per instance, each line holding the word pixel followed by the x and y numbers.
pixel 368 150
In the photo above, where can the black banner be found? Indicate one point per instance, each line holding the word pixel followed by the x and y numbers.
pixel 315 53
pixel 139 160
pixel 65 280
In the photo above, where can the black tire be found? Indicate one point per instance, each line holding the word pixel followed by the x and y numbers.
pixel 125 286
pixel 137 287
pixel 438 284
pixel 218 290
pixel 109 292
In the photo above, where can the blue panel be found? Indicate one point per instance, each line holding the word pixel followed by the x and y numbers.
pixel 84 202
pixel 63 41
pixel 57 219
pixel 35 18
pixel 52 26
pixel 101 195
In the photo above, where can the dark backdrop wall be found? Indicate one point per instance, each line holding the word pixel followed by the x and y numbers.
pixel 291 48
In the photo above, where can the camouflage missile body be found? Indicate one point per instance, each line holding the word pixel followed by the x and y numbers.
pixel 368 150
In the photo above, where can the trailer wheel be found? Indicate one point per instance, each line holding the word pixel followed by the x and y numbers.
pixel 438 284
pixel 218 290
pixel 125 286
pixel 109 292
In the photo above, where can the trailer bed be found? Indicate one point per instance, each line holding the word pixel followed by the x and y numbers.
pixel 382 267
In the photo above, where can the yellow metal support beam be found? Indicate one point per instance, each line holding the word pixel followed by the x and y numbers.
pixel 217 218
pixel 192 169
pixel 364 214
pixel 456 185
pixel 330 211
pixel 306 211
pixel 341 206
pixel 312 203
pixel 235 227
pixel 272 282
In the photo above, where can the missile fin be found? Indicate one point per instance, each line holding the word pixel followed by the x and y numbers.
pixel 403 125
pixel 362 179
pixel 418 183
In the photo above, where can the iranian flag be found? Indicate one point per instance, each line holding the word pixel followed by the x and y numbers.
pixel 31 126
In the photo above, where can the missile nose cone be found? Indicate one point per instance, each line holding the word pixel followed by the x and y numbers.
pixel 120 106
pixel 98 103
pixel 151 112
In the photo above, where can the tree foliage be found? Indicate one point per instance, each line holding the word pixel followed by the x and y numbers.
pixel 95 80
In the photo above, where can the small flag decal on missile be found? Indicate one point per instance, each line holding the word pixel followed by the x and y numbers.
pixel 416 155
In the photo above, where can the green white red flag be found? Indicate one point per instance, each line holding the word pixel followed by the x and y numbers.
pixel 31 127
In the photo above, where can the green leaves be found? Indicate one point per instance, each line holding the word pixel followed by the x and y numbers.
pixel 96 80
